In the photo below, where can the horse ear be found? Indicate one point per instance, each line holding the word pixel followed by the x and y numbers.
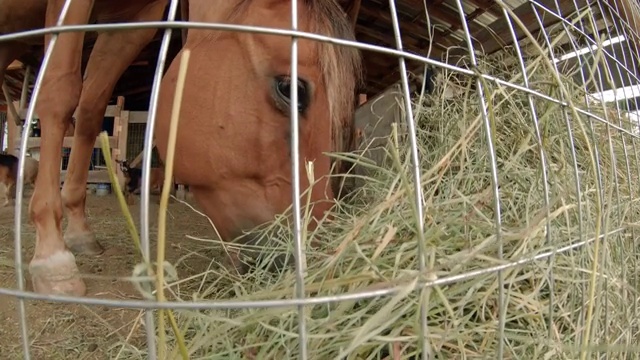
pixel 352 9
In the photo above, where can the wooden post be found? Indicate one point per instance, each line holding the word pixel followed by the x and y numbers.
pixel 181 193
pixel 362 98
pixel 11 107
pixel 3 125
pixel 14 133
pixel 120 126
pixel 25 87
pixel 122 141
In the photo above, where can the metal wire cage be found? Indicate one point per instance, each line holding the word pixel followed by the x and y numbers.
pixel 568 70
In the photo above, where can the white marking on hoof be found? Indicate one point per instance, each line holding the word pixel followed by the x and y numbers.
pixel 57 274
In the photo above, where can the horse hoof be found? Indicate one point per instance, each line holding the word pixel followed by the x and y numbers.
pixel 57 275
pixel 83 243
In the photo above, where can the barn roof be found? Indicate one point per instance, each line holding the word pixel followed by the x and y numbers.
pixel 485 20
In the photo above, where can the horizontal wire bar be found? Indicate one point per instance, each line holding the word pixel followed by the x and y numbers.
pixel 212 305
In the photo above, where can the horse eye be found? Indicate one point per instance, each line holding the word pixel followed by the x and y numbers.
pixel 282 87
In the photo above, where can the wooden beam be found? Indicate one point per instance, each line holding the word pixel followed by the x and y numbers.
pixel 497 34
pixel 489 6
pixel 138 117
pixel 406 28
pixel 14 133
pixel 362 98
pixel 136 90
pixel 15 65
pixel 441 13
pixel 34 142
pixel 111 111
pixel 95 177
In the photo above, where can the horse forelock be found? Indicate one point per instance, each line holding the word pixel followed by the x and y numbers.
pixel 341 68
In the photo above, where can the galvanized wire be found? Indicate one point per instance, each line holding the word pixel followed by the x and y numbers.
pixel 146 165
pixel 295 185
pixel 634 94
pixel 536 123
pixel 622 66
pixel 20 182
pixel 494 178
pixel 417 183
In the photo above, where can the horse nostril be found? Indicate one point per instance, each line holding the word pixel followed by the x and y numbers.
pixel 282 89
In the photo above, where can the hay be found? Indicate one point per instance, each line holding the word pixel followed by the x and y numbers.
pixel 371 244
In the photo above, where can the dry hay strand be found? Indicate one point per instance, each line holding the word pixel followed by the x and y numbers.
pixel 558 259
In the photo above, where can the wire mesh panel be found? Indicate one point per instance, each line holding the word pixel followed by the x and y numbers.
pixel 135 143
pixel 495 213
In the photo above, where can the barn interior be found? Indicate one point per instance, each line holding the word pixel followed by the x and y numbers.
pixel 438 36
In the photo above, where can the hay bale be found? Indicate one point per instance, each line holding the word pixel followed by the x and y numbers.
pixel 587 225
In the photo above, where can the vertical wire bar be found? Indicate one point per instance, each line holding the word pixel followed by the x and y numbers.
pixel 146 166
pixel 417 187
pixel 295 183
pixel 636 243
pixel 26 130
pixel 551 258
pixel 624 277
pixel 543 160
pixel 571 137
pixel 633 143
pixel 494 179
pixel 582 249
pixel 588 107
pixel 635 151
pixel 633 314
pixel 599 84
pixel 609 75
pixel 563 97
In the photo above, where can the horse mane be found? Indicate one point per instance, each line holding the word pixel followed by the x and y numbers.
pixel 343 76
pixel 341 68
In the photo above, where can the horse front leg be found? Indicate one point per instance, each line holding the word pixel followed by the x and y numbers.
pixel 112 54
pixel 53 267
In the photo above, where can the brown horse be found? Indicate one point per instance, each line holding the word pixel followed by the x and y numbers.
pixel 234 127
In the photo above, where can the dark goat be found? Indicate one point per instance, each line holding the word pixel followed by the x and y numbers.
pixel 9 163
pixel 133 178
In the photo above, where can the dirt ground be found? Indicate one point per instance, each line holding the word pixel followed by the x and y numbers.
pixel 63 331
